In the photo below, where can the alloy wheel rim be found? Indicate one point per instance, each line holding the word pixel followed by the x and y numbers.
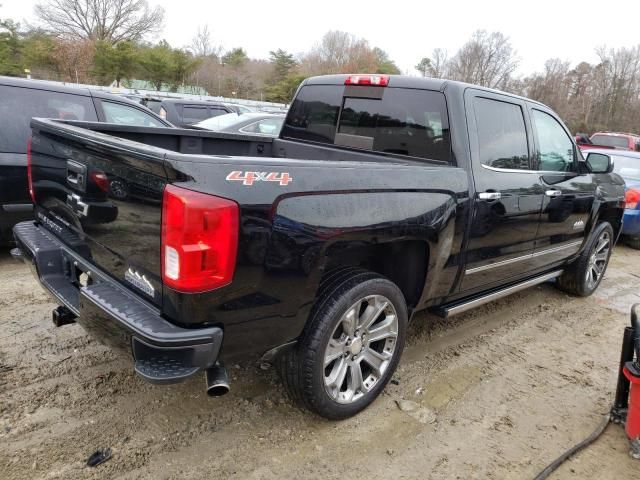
pixel 118 190
pixel 360 349
pixel 598 259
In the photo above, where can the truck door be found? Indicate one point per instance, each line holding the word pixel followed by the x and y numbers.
pixel 508 197
pixel 568 194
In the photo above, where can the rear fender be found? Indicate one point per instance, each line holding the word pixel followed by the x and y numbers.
pixel 319 231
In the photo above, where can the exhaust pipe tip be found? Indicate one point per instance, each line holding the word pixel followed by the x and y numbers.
pixel 217 380
pixel 217 390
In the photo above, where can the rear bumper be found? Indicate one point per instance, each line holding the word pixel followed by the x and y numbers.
pixel 631 222
pixel 162 351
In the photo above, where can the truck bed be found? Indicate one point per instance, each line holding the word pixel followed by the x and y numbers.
pixel 289 231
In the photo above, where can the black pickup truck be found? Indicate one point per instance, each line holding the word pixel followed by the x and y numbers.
pixel 383 196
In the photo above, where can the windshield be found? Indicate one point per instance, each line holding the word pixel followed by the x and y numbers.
pixel 627 167
pixel 610 141
pixel 220 122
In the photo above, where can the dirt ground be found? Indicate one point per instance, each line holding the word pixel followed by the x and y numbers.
pixel 511 384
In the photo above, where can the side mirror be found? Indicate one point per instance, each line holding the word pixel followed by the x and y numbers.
pixel 599 163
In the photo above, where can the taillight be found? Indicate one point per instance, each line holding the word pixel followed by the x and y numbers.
pixel 631 198
pixel 199 240
pixel 371 80
pixel 29 174
pixel 101 180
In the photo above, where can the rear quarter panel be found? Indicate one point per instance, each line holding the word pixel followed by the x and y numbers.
pixel 289 233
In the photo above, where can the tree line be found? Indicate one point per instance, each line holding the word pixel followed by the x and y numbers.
pixel 589 97
pixel 105 41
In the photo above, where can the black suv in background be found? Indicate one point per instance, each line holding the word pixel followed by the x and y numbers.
pixel 183 112
pixel 20 101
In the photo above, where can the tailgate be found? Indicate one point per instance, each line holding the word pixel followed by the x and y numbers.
pixel 102 195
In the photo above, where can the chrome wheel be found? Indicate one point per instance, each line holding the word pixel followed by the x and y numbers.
pixel 598 259
pixel 360 349
pixel 118 189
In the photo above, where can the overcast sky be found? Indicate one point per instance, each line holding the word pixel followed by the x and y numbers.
pixel 408 31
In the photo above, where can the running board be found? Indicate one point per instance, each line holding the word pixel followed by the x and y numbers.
pixel 467 304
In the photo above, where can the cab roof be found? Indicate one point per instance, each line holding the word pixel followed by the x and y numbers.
pixel 407 81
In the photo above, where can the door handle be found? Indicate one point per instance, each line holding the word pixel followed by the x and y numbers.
pixel 489 195
pixel 76 175
pixel 553 193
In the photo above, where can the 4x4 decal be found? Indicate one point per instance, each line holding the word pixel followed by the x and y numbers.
pixel 248 178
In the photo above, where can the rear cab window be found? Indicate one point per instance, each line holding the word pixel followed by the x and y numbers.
pixel 387 120
pixel 19 105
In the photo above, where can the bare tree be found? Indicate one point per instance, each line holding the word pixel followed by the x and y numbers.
pixel 487 59
pixel 436 66
pixel 73 60
pixel 202 45
pixel 341 52
pixel 618 79
pixel 109 21
pixel 439 63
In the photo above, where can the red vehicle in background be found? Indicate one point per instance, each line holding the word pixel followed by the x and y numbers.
pixel 609 140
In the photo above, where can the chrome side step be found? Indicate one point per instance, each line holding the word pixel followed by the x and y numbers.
pixel 467 304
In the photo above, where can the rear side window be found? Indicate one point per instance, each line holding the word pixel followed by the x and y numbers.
pixel 502 134
pixel 313 115
pixel 128 115
pixel 215 112
pixel 153 105
pixel 402 121
pixel 20 105
pixel 191 114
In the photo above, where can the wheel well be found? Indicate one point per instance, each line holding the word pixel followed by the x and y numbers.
pixel 403 262
pixel 612 215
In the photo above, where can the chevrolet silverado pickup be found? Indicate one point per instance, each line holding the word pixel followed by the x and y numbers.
pixel 382 196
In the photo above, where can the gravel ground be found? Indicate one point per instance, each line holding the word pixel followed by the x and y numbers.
pixel 499 392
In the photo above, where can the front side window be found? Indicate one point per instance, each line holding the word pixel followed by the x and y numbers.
pixel 554 145
pixel 502 135
pixel 126 115
pixel 193 114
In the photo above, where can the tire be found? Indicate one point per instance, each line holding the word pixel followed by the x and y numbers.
pixel 584 275
pixel 118 189
pixel 340 364
pixel 633 242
